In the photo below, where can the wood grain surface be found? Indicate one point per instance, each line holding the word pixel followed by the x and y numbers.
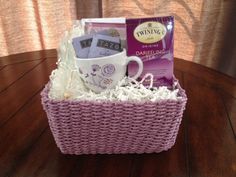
pixel 212 147
pixel 205 145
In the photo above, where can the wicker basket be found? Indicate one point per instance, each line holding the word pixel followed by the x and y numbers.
pixel 85 127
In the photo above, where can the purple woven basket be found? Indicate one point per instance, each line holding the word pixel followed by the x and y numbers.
pixel 86 127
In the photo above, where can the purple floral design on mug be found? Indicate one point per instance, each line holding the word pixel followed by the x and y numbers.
pixel 81 72
pixel 95 68
pixel 105 81
pixel 100 75
pixel 95 75
pixel 108 70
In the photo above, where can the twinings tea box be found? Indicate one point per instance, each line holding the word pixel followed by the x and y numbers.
pixel 151 39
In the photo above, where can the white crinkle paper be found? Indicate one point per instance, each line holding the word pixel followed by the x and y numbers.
pixel 65 82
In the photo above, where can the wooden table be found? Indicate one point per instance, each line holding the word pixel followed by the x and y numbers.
pixel 205 146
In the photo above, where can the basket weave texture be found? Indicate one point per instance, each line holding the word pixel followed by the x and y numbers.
pixel 118 127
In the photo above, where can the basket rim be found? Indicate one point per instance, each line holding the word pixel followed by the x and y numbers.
pixel 182 98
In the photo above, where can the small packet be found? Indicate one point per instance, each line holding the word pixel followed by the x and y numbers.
pixel 82 45
pixel 103 45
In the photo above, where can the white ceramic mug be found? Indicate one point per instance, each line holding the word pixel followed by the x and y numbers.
pixel 104 73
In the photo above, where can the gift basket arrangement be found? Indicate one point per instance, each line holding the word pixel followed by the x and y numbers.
pixel 114 91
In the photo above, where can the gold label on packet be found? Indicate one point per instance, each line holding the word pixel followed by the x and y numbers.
pixel 150 32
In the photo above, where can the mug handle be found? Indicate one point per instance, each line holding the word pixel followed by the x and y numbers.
pixel 140 65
